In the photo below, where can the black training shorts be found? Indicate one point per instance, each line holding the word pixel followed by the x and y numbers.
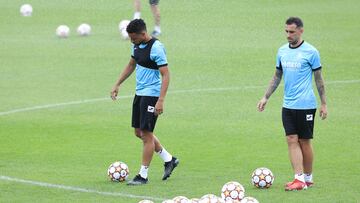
pixel 154 2
pixel 300 122
pixel 143 115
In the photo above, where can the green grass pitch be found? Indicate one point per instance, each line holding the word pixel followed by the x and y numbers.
pixel 221 56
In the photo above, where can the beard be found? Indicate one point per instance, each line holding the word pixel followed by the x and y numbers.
pixel 293 41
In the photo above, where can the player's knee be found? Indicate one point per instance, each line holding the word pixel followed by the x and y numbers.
pixel 291 139
pixel 305 142
pixel 137 133
pixel 147 136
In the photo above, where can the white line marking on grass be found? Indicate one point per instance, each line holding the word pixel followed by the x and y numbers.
pixel 216 89
pixel 47 106
pixel 77 189
pixel 342 82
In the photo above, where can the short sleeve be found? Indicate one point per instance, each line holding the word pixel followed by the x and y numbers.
pixel 278 61
pixel 315 61
pixel 132 51
pixel 158 54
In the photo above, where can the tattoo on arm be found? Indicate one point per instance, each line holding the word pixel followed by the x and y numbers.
pixel 274 83
pixel 320 86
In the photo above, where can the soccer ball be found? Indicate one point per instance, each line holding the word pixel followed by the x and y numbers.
pixel 84 29
pixel 124 34
pixel 211 198
pixel 249 200
pixel 181 199
pixel 123 24
pixel 194 200
pixel 118 171
pixel 122 29
pixel 232 192
pixel 168 201
pixel 26 10
pixel 63 31
pixel 262 178
pixel 146 201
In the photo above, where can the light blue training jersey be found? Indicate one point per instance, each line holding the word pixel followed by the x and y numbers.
pixel 149 59
pixel 297 64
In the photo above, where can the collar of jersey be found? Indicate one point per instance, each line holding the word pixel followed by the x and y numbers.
pixel 297 45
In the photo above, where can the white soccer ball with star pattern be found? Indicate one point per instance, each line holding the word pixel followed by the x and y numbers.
pixel 232 192
pixel 146 201
pixel 118 171
pixel 181 199
pixel 63 31
pixel 194 200
pixel 168 201
pixel 84 29
pixel 26 10
pixel 211 198
pixel 262 178
pixel 249 200
pixel 122 28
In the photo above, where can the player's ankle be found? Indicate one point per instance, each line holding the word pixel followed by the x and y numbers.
pixel 300 177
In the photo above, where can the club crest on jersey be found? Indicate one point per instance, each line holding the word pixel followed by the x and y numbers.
pixel 309 117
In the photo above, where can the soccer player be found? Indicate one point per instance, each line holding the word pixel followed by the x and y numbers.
pixel 154 4
pixel 298 61
pixel 148 59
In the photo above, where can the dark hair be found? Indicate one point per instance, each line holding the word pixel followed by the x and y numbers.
pixel 136 26
pixel 295 20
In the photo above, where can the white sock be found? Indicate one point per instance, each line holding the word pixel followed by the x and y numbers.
pixel 166 156
pixel 144 171
pixel 137 15
pixel 308 177
pixel 300 177
pixel 157 28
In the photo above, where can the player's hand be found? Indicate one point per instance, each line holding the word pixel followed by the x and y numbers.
pixel 323 111
pixel 261 104
pixel 114 92
pixel 159 107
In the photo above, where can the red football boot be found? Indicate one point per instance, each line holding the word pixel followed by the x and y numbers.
pixel 309 184
pixel 296 185
pixel 288 184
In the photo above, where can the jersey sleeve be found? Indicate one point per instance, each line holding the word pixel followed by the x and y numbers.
pixel 132 51
pixel 158 54
pixel 315 61
pixel 278 61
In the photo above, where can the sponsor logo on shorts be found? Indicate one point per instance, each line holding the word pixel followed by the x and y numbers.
pixel 309 117
pixel 151 109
